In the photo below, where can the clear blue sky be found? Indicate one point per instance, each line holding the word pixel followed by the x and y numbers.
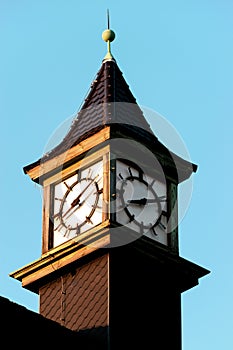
pixel 177 57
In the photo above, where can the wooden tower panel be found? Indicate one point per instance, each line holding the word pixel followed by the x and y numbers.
pixel 78 299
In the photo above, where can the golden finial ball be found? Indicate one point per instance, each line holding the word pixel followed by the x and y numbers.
pixel 108 35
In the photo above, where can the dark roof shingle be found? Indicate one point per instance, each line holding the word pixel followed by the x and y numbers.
pixel 109 101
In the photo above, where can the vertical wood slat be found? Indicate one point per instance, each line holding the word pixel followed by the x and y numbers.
pixel 105 209
pixel 172 217
pixel 113 193
pixel 46 219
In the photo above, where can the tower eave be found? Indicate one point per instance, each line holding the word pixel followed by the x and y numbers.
pixel 174 269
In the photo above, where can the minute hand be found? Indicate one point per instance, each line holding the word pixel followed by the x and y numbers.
pixel 76 201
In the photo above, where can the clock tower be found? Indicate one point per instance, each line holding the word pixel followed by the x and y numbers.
pixel 110 264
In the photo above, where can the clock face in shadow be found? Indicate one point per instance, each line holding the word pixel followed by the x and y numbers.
pixel 141 201
pixel 77 203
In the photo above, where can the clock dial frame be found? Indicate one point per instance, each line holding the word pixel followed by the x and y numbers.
pixel 77 203
pixel 141 201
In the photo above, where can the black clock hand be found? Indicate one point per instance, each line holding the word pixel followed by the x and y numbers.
pixel 72 212
pixel 67 212
pixel 79 205
pixel 143 201
pixel 76 201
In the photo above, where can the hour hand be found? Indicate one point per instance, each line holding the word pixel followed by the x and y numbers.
pixel 141 201
pixel 72 206
pixel 75 202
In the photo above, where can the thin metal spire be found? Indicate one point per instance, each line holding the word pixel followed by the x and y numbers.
pixel 108 35
pixel 108 19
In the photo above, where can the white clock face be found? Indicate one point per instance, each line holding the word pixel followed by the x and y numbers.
pixel 77 203
pixel 141 202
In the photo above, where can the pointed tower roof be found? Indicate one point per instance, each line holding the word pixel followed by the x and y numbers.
pixel 109 103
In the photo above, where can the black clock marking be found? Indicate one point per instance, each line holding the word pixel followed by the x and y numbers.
pixel 154 201
pixel 153 229
pixel 162 225
pixel 88 219
pixel 67 231
pixel 64 219
pixel 131 217
pixel 130 172
pixel 122 179
pixel 67 186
